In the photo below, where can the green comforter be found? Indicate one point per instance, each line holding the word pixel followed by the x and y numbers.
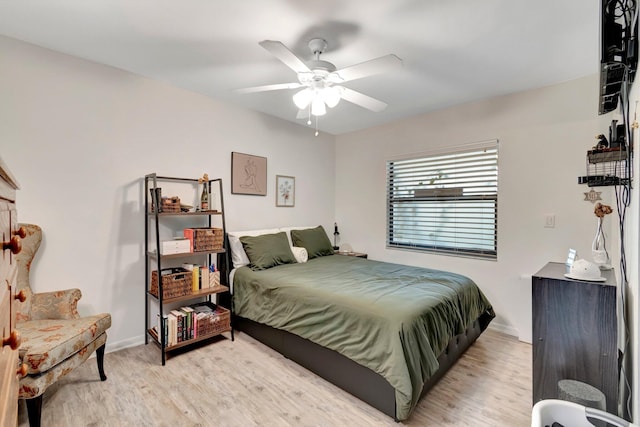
pixel 393 319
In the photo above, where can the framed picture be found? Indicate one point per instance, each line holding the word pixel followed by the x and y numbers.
pixel 285 191
pixel 248 174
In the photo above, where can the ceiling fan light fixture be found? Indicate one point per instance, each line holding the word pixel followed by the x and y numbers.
pixel 331 96
pixel 303 98
pixel 317 107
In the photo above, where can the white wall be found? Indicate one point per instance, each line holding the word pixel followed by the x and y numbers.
pixel 544 135
pixel 80 136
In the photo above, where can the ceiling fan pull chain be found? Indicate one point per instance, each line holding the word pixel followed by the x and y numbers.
pixel 317 126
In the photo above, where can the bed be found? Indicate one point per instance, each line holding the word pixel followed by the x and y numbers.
pixel 383 332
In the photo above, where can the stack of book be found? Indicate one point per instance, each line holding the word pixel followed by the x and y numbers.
pixel 203 277
pixel 188 323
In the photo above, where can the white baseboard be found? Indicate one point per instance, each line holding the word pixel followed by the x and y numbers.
pixel 122 344
pixel 505 329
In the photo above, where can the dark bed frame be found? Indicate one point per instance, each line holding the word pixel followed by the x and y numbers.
pixel 350 376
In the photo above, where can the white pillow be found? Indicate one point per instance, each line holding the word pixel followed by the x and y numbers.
pixel 300 254
pixel 238 255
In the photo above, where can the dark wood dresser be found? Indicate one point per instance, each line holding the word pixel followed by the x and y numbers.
pixel 11 245
pixel 574 333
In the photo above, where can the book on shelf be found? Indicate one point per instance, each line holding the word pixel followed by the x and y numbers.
pixel 185 325
pixel 165 319
pixel 195 275
pixel 189 234
pixel 203 308
pixel 181 324
pixel 204 277
pixel 188 311
pixel 195 278
pixel 162 326
pixel 171 330
pixel 176 330
pixel 179 329
pixel 207 276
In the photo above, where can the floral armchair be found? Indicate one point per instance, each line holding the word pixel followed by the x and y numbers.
pixel 55 339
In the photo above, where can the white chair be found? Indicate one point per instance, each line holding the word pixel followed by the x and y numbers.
pixel 569 414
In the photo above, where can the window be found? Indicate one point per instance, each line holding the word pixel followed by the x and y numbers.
pixel 446 202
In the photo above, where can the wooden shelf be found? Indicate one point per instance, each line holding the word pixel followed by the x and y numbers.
pixel 223 319
pixel 201 293
pixel 154 336
pixel 154 255
pixel 199 213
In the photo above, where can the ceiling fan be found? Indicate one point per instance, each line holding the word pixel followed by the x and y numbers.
pixel 321 81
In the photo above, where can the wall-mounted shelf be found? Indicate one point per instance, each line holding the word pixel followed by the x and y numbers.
pixel 608 166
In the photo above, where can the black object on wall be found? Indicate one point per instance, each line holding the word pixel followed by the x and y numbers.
pixel 618 50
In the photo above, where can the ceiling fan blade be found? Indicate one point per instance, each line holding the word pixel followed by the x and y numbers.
pixel 384 64
pixel 281 52
pixel 266 88
pixel 362 100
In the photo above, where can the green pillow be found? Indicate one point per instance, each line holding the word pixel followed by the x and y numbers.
pixel 314 240
pixel 267 250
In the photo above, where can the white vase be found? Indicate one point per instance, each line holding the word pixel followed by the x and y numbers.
pixel 599 249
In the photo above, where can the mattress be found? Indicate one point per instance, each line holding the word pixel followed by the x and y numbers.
pixel 393 319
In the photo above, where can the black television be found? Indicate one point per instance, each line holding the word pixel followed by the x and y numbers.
pixel 618 50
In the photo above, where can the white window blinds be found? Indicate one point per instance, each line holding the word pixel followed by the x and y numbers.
pixel 446 202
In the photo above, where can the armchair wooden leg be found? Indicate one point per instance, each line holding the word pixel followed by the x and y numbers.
pixel 34 410
pixel 100 358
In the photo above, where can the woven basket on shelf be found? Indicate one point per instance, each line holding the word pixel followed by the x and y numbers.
pixel 169 205
pixel 207 239
pixel 218 322
pixel 176 282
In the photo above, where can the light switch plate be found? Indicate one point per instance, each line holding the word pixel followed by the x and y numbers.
pixel 550 220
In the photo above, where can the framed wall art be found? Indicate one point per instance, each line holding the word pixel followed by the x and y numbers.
pixel 248 174
pixel 285 191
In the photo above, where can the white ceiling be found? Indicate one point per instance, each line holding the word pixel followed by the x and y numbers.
pixel 453 51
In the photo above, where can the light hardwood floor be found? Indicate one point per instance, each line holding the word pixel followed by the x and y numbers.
pixel 244 383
